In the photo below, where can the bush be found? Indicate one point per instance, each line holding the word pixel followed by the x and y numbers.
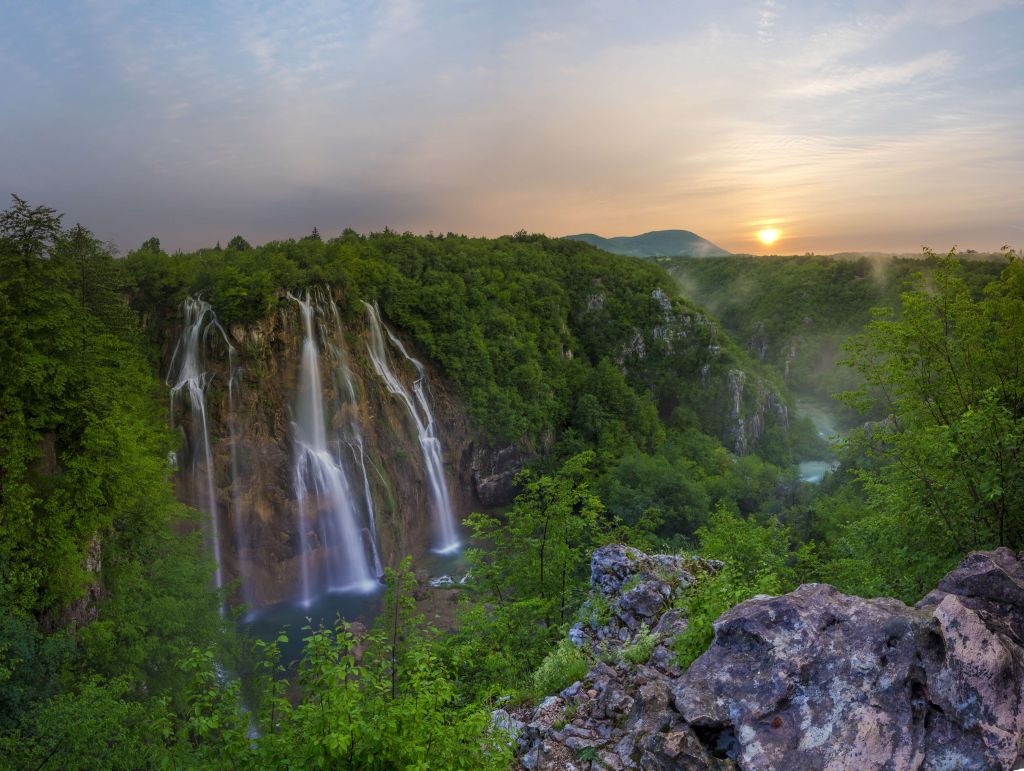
pixel 709 602
pixel 639 652
pixel 561 668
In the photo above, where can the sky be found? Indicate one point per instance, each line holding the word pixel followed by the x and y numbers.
pixel 880 126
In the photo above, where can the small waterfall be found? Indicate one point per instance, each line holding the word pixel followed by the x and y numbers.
pixel 371 515
pixel 320 477
pixel 241 534
pixel 353 431
pixel 188 376
pixel 445 530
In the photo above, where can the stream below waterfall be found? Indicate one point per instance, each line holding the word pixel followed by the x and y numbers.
pixel 823 417
pixel 267 623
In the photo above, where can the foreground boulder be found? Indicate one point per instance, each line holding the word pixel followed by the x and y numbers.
pixel 814 679
pixel 621 715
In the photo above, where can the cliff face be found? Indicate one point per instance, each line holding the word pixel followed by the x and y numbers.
pixel 251 395
pixel 812 679
pixel 681 355
pixel 305 385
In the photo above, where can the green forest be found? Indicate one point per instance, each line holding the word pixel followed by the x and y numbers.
pixel 614 375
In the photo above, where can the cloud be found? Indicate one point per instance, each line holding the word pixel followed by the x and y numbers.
pixel 766 18
pixel 269 117
pixel 846 79
pixel 396 20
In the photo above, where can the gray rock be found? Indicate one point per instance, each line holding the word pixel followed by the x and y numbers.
pixel 493 471
pixel 503 721
pixel 644 604
pixel 818 679
pixel 572 691
pixel 577 636
pixel 813 679
pixel 613 565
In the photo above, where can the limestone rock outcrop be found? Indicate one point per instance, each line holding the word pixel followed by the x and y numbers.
pixel 813 679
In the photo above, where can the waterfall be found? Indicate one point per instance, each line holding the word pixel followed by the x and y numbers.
pixel 241 534
pixel 356 445
pixel 320 477
pixel 187 375
pixel 353 431
pixel 445 530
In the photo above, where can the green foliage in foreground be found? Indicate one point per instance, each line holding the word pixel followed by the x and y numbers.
pixel 944 472
pixel 380 702
pixel 562 667
pixel 640 650
pixel 530 575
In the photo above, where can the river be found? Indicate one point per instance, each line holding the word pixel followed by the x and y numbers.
pixel 823 417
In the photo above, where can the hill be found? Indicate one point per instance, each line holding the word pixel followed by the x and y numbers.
pixel 657 243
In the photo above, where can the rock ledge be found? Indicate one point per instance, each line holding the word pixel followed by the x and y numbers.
pixel 813 679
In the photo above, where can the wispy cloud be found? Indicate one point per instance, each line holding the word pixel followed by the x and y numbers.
pixel 766 18
pixel 840 79
pixel 396 19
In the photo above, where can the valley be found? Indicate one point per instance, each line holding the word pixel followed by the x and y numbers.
pixel 377 471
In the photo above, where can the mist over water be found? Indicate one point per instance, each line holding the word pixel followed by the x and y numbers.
pixel 824 420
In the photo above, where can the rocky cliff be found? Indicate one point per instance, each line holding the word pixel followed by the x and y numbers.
pixel 813 679
pixel 251 434
pixel 237 404
pixel 682 349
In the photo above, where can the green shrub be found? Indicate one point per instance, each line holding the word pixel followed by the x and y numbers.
pixel 640 650
pixel 711 600
pixel 561 668
pixel 596 611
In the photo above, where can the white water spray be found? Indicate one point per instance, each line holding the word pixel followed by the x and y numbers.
pixel 320 479
pixel 445 530
pixel 353 432
pixel 187 375
pixel 241 534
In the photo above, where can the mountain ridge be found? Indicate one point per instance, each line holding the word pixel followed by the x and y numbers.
pixel 655 243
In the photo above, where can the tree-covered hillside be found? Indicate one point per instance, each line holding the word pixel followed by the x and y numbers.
pixel 627 401
pixel 616 388
pixel 549 340
pixel 795 312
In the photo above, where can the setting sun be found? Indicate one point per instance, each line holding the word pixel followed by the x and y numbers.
pixel 768 236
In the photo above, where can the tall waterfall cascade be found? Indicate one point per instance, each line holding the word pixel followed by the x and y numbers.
pixel 241 534
pixel 326 502
pixel 445 531
pixel 188 379
pixel 291 453
pixel 352 431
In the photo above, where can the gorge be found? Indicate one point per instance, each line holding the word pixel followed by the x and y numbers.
pixel 453 430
